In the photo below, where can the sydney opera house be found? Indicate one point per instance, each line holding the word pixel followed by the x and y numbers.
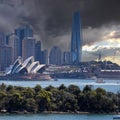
pixel 27 70
pixel 23 67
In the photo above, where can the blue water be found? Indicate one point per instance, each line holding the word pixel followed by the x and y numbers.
pixel 57 117
pixel 109 85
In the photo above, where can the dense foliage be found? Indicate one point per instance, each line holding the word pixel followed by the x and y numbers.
pixel 61 99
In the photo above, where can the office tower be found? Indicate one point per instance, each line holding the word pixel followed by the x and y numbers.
pixel 55 56
pixel 13 43
pixel 76 39
pixel 44 57
pixel 2 40
pixel 7 38
pixel 28 47
pixel 5 57
pixel 22 32
pixel 38 51
pixel 66 58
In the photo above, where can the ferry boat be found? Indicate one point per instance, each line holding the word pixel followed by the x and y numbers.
pixel 100 80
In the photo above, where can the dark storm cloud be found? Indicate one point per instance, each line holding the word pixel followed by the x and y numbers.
pixel 56 18
pixel 52 19
pixel 94 13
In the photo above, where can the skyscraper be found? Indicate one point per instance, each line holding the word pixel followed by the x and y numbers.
pixel 22 32
pixel 5 57
pixel 66 58
pixel 2 40
pixel 28 47
pixel 13 43
pixel 38 51
pixel 44 57
pixel 76 39
pixel 55 56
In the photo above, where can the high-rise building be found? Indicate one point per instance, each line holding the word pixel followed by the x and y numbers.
pixel 76 39
pixel 44 57
pixel 13 43
pixel 7 38
pixel 28 47
pixel 55 56
pixel 2 40
pixel 5 57
pixel 22 32
pixel 66 58
pixel 38 51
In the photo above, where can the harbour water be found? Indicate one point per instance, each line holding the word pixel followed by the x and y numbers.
pixel 109 85
pixel 57 117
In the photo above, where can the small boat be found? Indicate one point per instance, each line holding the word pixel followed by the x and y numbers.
pixel 116 117
pixel 100 80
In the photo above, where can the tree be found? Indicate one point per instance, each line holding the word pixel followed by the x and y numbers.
pixel 43 100
pixel 3 96
pixel 3 87
pixel 62 87
pixel 37 88
pixel 15 102
pixel 73 89
pixel 87 88
pixel 31 105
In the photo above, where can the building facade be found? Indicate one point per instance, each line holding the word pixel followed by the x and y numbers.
pixel 38 53
pixel 2 40
pixel 13 43
pixel 28 47
pixel 5 57
pixel 44 57
pixel 22 32
pixel 55 56
pixel 76 39
pixel 67 58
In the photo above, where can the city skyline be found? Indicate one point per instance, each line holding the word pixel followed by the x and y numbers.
pixel 100 22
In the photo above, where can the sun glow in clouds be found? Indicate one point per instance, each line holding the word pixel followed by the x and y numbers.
pixel 108 47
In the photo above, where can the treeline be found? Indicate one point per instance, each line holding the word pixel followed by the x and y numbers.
pixel 59 99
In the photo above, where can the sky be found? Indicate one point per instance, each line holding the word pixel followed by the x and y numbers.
pixel 51 21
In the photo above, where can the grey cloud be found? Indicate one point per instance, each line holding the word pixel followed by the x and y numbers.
pixel 115 34
pixel 51 20
pixel 105 52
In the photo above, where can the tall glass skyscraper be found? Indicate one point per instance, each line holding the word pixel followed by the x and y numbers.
pixel 23 32
pixel 76 39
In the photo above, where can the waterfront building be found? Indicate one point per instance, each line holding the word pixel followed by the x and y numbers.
pixel 66 58
pixel 5 57
pixel 28 47
pixel 55 56
pixel 44 57
pixel 28 66
pixel 13 43
pixel 76 39
pixel 22 32
pixel 38 53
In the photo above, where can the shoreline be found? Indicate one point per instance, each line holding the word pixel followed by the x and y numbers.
pixel 56 79
pixel 51 112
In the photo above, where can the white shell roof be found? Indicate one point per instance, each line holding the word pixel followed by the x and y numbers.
pixel 28 64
